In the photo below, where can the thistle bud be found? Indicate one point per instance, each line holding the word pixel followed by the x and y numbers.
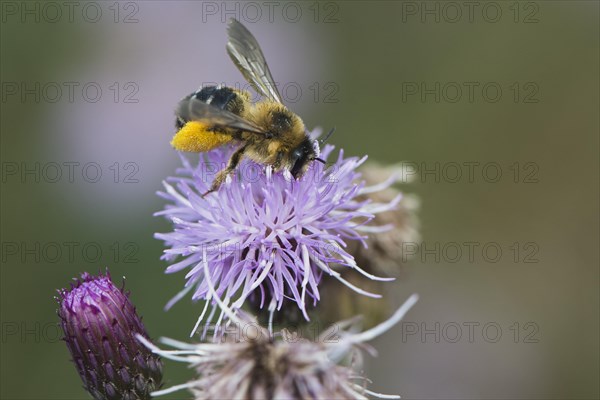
pixel 100 326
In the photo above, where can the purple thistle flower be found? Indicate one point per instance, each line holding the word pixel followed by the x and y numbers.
pixel 265 235
pixel 100 326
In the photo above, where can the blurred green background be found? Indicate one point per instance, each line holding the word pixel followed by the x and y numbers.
pixel 366 68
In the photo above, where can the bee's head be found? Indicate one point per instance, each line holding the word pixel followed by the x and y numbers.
pixel 302 156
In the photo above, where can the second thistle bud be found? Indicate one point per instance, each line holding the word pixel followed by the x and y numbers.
pixel 100 325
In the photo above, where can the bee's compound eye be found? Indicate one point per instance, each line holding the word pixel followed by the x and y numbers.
pixel 296 154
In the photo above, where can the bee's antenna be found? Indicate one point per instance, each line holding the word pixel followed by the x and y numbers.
pixel 322 141
pixel 320 160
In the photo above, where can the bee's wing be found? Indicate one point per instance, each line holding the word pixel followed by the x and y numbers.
pixel 248 57
pixel 196 110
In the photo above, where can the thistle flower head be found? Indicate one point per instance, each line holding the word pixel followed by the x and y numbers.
pixel 266 235
pixel 262 366
pixel 100 326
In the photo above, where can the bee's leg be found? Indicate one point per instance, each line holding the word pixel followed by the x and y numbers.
pixel 278 160
pixel 231 166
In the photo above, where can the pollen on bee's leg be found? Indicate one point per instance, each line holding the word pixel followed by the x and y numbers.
pixel 198 137
pixel 187 138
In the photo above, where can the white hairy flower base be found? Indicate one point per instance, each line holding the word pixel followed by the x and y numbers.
pixel 311 368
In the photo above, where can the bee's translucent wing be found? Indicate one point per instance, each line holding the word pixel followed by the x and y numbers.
pixel 191 109
pixel 248 57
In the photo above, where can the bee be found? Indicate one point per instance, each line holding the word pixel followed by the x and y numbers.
pixel 267 131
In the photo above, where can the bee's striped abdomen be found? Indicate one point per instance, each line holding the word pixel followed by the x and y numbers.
pixel 222 97
pixel 218 96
